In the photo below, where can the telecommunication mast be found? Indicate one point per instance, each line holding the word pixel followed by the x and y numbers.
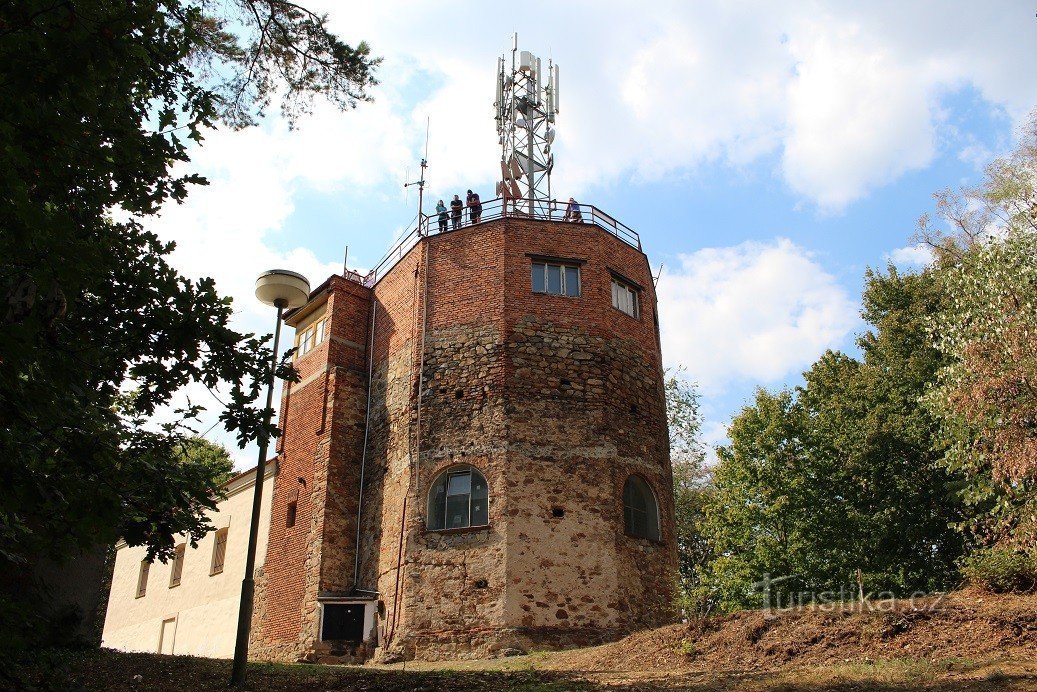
pixel 526 105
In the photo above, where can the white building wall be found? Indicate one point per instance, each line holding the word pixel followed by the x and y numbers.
pixel 204 607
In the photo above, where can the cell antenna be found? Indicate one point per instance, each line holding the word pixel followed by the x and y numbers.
pixel 526 106
pixel 421 182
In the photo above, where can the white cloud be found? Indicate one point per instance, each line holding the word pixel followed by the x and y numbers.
pixel 754 311
pixel 858 116
pixel 912 256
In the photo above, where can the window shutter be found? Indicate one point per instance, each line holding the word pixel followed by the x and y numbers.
pixel 178 566
pixel 219 551
pixel 142 578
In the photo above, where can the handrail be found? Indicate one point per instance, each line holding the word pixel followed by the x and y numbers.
pixel 545 210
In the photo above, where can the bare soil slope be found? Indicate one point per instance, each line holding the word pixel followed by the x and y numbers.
pixel 966 625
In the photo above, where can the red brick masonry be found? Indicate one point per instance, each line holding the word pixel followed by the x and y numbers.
pixel 556 400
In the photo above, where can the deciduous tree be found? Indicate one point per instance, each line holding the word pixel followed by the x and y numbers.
pixel 986 398
pixel 839 474
pixel 690 489
pixel 99 104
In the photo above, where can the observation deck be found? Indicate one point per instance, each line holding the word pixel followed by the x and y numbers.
pixel 499 208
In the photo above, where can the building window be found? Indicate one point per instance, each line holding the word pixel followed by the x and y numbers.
pixel 640 510
pixel 178 566
pixel 559 279
pixel 289 515
pixel 219 552
pixel 624 297
pixel 310 338
pixel 458 499
pixel 142 578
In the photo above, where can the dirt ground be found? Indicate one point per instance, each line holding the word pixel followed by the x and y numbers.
pixel 966 641
pixel 965 625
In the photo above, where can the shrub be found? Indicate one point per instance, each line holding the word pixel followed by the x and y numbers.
pixel 1001 571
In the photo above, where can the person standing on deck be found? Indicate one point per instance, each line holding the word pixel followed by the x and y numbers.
pixel 474 207
pixel 456 206
pixel 441 210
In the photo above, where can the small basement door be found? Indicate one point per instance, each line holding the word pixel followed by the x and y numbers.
pixel 343 622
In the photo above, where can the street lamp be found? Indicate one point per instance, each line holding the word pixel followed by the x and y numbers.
pixel 282 289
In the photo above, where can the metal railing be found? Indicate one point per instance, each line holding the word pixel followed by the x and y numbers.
pixel 447 222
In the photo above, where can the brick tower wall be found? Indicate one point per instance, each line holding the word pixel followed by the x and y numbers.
pixel 428 583
pixel 556 401
pixel 586 410
pixel 322 420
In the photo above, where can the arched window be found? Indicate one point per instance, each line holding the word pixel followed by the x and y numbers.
pixel 458 499
pixel 640 510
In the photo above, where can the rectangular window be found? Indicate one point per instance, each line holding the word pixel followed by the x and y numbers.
pixel 624 298
pixel 142 578
pixel 178 566
pixel 557 279
pixel 219 552
pixel 310 338
pixel 289 515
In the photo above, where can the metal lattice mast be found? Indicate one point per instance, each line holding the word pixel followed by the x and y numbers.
pixel 526 106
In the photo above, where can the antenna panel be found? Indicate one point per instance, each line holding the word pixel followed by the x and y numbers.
pixel 526 104
pixel 526 61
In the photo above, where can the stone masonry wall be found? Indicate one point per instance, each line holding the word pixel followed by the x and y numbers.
pixel 586 409
pixel 555 400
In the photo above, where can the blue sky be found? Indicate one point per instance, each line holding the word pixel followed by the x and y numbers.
pixel 767 155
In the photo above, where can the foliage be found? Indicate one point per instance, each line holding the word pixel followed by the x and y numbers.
pixel 838 474
pixel 999 570
pixel 213 456
pixel 690 489
pixel 99 102
pixel 986 396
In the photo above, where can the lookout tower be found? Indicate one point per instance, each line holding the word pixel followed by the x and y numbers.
pixel 476 456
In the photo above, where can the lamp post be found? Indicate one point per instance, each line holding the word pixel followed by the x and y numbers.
pixel 281 289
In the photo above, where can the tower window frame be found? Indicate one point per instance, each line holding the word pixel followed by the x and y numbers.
pixel 557 277
pixel 626 296
pixel 641 518
pixel 458 498
pixel 311 337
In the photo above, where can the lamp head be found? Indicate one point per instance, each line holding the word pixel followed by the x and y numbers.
pixel 282 288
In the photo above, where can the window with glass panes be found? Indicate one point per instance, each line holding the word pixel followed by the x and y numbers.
pixel 640 510
pixel 458 499
pixel 559 279
pixel 310 338
pixel 624 297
